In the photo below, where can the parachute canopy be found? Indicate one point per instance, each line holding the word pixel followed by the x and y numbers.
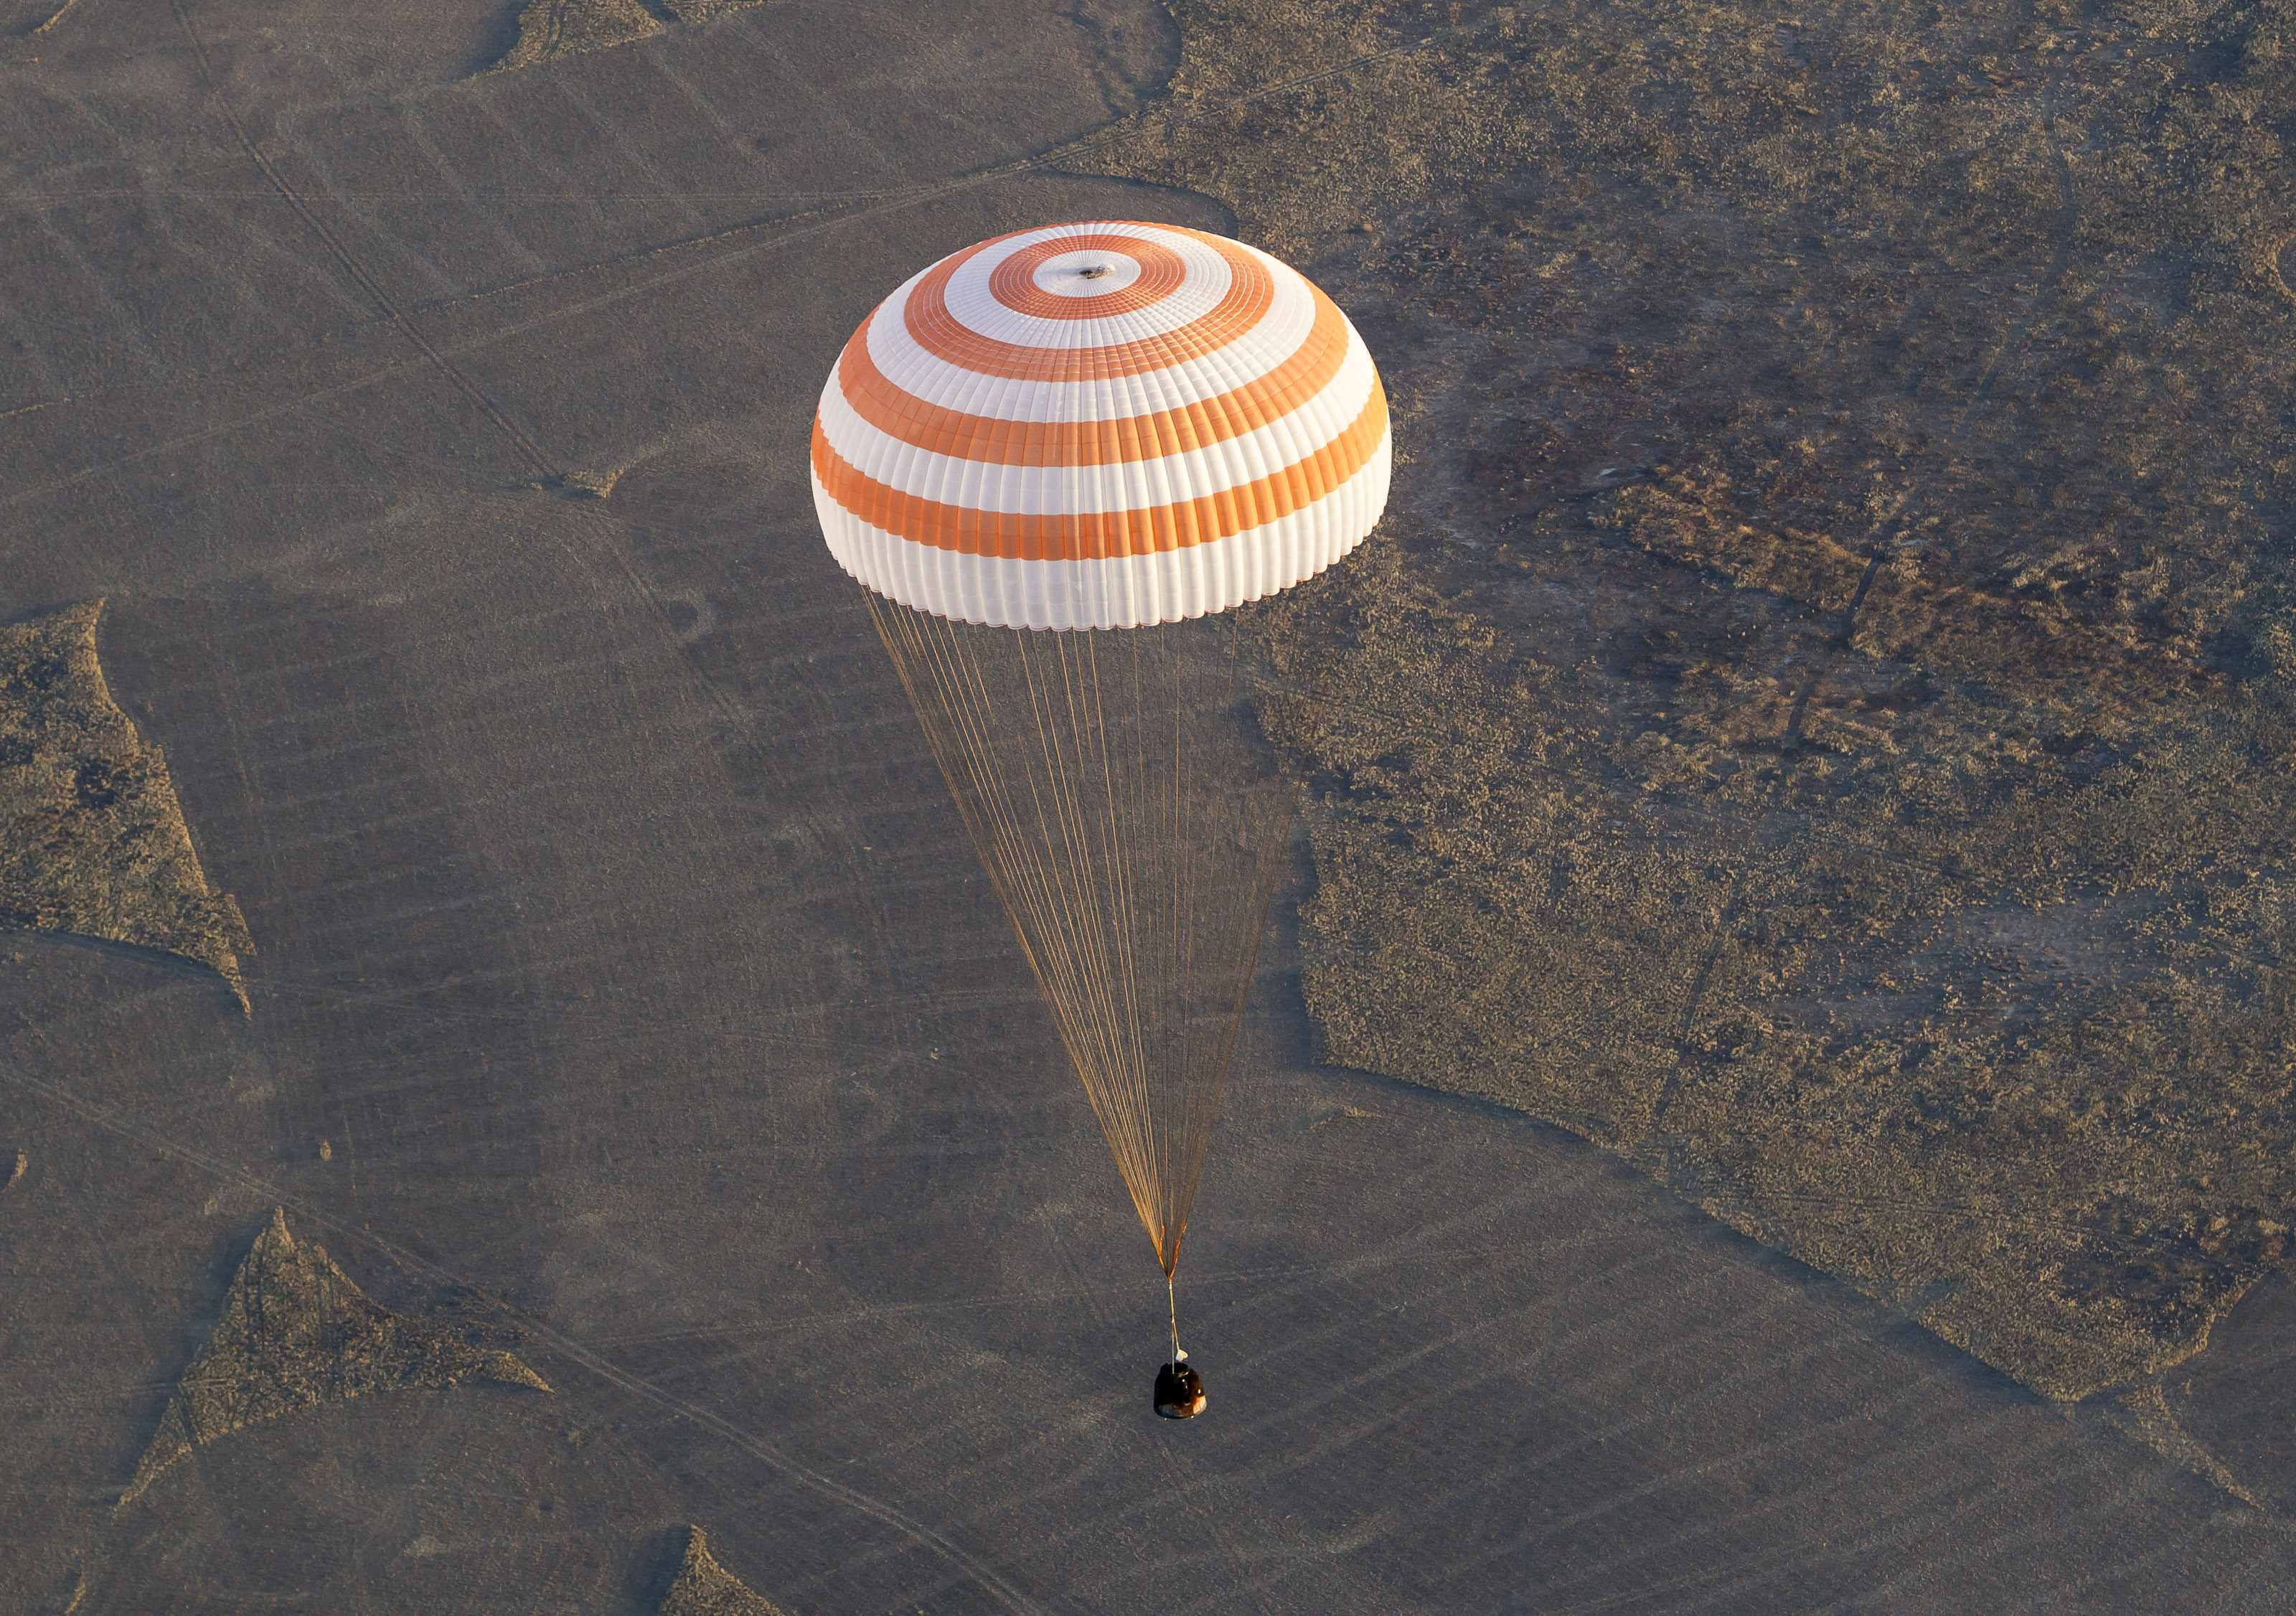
pixel 1126 429
pixel 1099 425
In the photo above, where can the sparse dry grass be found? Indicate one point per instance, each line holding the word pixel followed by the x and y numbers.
pixel 296 1334
pixel 548 30
pixel 706 11
pixel 1817 718
pixel 706 1588
pixel 93 842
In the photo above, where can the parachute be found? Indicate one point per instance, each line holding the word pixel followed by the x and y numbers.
pixel 1055 460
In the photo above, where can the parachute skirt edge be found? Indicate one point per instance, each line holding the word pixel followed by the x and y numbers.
pixel 1116 592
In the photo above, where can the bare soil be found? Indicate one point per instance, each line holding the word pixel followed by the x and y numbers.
pixel 619 943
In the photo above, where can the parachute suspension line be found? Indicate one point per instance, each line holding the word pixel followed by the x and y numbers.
pixel 1126 1118
pixel 1172 1301
pixel 1196 1122
pixel 1058 875
pixel 1172 950
pixel 1136 868
pixel 1068 772
pixel 1125 927
pixel 1038 876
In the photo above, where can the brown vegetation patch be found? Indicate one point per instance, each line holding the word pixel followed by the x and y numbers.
pixel 93 842
pixel 706 1588
pixel 582 485
pixel 548 30
pixel 2143 1412
pixel 1817 718
pixel 296 1334
pixel 706 11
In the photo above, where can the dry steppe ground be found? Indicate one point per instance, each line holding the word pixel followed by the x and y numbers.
pixel 1772 1091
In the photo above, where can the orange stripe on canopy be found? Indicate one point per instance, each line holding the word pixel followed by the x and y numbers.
pixel 893 410
pixel 1099 536
pixel 1250 292
pixel 1013 282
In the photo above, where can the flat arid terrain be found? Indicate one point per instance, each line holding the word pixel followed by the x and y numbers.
pixel 1771 1086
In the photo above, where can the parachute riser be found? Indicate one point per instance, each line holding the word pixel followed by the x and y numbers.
pixel 1133 833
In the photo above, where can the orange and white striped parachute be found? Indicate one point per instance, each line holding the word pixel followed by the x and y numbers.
pixel 1099 425
pixel 1124 428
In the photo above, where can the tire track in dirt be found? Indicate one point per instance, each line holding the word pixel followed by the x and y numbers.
pixel 532 451
pixel 114 1121
pixel 889 203
pixel 546 468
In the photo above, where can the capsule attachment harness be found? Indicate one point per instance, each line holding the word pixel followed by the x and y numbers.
pixel 1179 1389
